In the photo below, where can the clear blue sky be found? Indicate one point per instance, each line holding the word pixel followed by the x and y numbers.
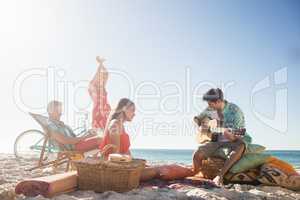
pixel 221 42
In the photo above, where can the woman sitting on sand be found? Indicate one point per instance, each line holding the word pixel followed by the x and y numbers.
pixel 115 140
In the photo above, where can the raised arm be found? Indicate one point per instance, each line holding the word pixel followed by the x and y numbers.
pixel 98 83
pixel 101 76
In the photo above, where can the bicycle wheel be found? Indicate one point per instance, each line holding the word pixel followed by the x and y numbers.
pixel 29 144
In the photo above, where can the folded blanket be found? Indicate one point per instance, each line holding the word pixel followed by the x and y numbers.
pixel 48 186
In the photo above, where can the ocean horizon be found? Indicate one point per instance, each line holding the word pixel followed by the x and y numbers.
pixel 184 156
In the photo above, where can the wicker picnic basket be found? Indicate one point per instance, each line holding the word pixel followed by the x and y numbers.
pixel 101 176
pixel 211 167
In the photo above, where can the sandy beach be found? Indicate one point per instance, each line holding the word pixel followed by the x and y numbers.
pixel 13 170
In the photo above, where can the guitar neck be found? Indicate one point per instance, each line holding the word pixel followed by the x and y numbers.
pixel 221 130
pixel 217 130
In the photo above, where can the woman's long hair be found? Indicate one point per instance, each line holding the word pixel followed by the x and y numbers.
pixel 123 104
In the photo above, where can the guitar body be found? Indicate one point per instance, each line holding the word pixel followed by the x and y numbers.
pixel 211 134
pixel 203 136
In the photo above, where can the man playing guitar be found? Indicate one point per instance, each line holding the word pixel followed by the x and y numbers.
pixel 227 131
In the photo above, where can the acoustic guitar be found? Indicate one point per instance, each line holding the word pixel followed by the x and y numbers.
pixel 212 133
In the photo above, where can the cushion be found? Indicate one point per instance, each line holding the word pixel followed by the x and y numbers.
pixel 282 165
pixel 249 161
pixel 247 177
pixel 255 148
pixel 270 175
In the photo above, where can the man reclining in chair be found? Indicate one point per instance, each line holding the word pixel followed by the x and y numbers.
pixel 63 134
pixel 230 117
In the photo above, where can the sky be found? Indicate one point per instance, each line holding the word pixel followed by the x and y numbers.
pixel 163 55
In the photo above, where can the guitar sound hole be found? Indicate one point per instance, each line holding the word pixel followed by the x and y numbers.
pixel 214 137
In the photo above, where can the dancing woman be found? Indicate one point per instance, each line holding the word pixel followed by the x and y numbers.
pixel 97 91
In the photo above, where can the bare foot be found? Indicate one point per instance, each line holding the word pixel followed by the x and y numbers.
pixel 218 180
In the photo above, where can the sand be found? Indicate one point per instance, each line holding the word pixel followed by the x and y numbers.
pixel 13 170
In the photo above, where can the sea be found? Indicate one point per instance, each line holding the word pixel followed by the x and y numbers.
pixel 185 156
